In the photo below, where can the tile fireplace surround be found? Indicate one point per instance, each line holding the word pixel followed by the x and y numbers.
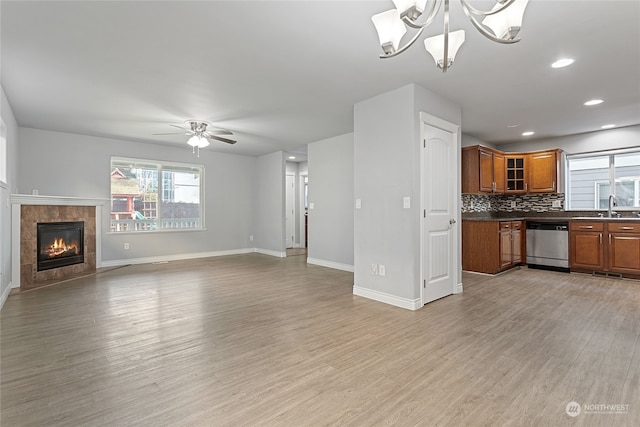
pixel 27 212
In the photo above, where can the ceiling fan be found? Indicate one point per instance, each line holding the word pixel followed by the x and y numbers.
pixel 200 135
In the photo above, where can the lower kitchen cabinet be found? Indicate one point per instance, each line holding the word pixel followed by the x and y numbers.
pixel 491 246
pixel 605 246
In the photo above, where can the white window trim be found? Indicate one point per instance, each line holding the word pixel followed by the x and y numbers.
pixel 160 164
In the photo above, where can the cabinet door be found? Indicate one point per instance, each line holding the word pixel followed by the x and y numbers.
pixel 516 242
pixel 505 249
pixel 486 170
pixel 543 172
pixel 516 177
pixel 587 250
pixel 499 173
pixel 624 253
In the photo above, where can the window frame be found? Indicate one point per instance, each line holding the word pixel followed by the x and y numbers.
pixel 161 166
pixel 612 181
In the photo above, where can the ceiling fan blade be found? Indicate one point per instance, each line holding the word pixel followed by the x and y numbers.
pixel 219 138
pixel 219 131
pixel 180 127
pixel 172 133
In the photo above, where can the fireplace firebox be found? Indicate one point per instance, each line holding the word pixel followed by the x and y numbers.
pixel 60 244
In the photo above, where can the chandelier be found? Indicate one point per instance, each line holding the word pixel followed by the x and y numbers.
pixel 501 24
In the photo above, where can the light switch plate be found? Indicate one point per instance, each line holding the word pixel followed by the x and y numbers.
pixel 406 202
pixel 311 205
pixel 556 204
pixel 358 203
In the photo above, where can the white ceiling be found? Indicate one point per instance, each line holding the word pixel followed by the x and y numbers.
pixel 282 74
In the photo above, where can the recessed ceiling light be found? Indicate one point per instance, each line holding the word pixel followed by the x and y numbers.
pixel 528 133
pixel 292 157
pixel 593 102
pixel 607 126
pixel 560 63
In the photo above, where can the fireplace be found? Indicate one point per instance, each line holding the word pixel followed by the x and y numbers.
pixel 60 244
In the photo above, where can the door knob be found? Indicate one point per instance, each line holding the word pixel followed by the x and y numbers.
pixel 452 221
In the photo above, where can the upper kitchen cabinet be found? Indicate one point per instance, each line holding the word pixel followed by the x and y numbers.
pixel 483 170
pixel 516 170
pixel 544 171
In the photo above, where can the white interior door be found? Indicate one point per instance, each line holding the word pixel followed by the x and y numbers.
pixel 290 211
pixel 439 202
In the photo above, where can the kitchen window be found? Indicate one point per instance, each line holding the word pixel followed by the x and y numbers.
pixel 589 177
pixel 148 196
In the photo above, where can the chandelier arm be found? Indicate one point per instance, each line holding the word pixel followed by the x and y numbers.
pixel 465 5
pixel 445 54
pixel 435 8
pixel 483 31
pixel 405 47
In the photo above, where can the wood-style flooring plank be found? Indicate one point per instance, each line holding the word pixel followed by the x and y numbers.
pixel 250 340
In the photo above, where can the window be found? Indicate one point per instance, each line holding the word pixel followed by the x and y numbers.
pixel 589 178
pixel 153 196
pixel 3 152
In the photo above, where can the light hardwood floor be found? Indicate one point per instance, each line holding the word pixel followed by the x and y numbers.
pixel 255 340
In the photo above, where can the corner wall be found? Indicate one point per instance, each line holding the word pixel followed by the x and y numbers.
pixel 331 192
pixel 5 192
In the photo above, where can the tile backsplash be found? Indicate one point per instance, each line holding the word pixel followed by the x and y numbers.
pixel 490 203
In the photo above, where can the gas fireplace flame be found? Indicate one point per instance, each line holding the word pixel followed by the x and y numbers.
pixel 59 247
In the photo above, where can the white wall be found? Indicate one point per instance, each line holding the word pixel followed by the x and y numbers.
pixel 387 168
pixel 5 191
pixel 330 164
pixel 63 164
pixel 269 216
pixel 584 142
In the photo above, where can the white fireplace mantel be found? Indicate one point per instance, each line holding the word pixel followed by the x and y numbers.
pixel 17 200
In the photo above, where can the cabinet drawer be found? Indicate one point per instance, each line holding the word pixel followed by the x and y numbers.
pixel 586 226
pixel 624 227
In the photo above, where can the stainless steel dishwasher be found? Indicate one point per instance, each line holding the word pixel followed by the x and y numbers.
pixel 548 245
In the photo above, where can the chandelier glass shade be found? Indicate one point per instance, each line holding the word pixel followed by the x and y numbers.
pixel 501 24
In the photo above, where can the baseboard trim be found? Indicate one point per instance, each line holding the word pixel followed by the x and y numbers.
pixel 409 304
pixel 330 264
pixel 5 295
pixel 175 257
pixel 270 252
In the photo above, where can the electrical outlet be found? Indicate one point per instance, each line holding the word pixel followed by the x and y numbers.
pixel 382 271
pixel 513 204
pixel 126 245
pixel 556 204
pixel 251 238
pixel 374 269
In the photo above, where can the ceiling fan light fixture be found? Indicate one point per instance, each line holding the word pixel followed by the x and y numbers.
pixel 506 24
pixel 412 9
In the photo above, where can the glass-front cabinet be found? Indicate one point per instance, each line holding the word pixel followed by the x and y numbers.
pixel 516 173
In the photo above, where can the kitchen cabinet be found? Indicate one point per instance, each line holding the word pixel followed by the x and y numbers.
pixel 624 247
pixel 516 177
pixel 491 246
pixel 483 170
pixel 544 167
pixel 605 246
pixel 586 250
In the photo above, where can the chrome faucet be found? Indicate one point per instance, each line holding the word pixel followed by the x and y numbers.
pixel 612 203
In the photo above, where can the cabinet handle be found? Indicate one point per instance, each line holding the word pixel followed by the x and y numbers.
pixel 625 228
pixel 609 238
pixel 588 227
pixel 600 238
pixel 553 187
pixel 493 186
pixel 525 187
